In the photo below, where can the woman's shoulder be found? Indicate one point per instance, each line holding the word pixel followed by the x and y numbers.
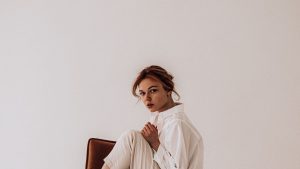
pixel 179 120
pixel 181 127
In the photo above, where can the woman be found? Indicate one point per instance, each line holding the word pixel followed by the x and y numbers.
pixel 169 140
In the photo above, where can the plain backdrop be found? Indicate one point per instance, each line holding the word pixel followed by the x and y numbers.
pixel 66 70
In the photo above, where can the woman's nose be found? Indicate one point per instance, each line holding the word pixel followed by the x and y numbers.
pixel 148 97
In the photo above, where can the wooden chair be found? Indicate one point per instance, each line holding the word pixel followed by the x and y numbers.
pixel 97 150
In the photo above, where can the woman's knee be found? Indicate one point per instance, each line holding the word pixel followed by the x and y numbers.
pixel 131 135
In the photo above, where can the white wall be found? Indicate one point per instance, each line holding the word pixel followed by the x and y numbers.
pixel 66 69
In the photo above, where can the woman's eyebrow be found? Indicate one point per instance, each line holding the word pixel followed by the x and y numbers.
pixel 151 87
pixel 148 88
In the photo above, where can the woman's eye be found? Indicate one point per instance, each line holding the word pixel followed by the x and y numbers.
pixel 142 94
pixel 152 90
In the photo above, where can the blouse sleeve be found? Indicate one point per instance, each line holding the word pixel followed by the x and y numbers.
pixel 172 152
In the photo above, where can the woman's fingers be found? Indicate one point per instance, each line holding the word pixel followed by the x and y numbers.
pixel 150 126
pixel 148 130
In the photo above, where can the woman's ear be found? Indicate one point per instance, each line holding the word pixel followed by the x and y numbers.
pixel 169 93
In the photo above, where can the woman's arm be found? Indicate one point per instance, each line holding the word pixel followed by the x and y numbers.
pixel 150 133
pixel 172 152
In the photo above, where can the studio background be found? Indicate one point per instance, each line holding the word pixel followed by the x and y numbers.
pixel 66 70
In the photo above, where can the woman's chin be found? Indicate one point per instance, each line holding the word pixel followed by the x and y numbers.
pixel 152 109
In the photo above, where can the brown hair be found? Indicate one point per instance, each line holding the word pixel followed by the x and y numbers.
pixel 155 72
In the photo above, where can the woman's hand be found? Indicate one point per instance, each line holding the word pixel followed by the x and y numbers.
pixel 150 133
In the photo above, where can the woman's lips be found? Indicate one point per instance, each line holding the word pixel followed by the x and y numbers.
pixel 150 105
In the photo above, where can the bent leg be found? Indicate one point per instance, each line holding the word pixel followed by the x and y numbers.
pixel 131 151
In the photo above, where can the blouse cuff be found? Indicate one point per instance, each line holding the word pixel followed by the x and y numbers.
pixel 158 155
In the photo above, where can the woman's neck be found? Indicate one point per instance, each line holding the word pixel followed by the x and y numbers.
pixel 168 105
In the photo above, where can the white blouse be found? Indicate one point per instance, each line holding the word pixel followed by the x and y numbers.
pixel 181 145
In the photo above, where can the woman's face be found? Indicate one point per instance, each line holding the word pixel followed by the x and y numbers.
pixel 153 95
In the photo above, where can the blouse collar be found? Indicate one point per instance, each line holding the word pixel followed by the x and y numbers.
pixel 158 116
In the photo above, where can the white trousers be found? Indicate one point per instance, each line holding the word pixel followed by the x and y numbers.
pixel 131 151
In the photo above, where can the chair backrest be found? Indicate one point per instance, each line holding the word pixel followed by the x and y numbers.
pixel 97 150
